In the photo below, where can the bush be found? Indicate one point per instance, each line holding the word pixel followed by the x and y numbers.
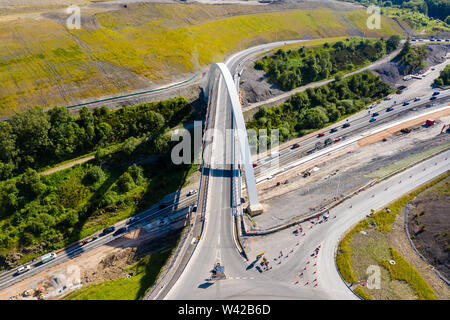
pixel 125 183
pixel 94 175
pixel 137 173
pixel 30 185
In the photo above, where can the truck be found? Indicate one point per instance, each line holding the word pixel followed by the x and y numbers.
pixel 48 257
pixel 274 154
pixel 429 122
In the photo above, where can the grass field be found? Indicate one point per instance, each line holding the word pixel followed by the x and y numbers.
pixel 357 251
pixel 419 22
pixel 43 63
pixel 145 273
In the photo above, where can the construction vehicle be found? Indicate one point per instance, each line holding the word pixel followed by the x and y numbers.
pixel 218 272
pixel 429 122
pixel 446 130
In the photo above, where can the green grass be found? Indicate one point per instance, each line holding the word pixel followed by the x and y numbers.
pixel 417 20
pixel 362 293
pixel 39 57
pixel 403 270
pixel 145 273
pixel 376 251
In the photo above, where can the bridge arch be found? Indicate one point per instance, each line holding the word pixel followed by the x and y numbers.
pixel 239 126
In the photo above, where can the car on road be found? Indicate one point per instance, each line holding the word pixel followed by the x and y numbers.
pixel 375 114
pixel 109 230
pixel 416 99
pixel 436 93
pixel 433 98
pixel 318 144
pixel 373 119
pixel 163 205
pixel 405 103
pixel 428 106
pixel 295 146
pixel 119 231
pixel 194 208
pixel 133 219
pixel 321 134
pixel 337 139
pixel 191 192
pixel 328 141
pixel 346 125
pixel 389 109
pixel 23 269
pixel 333 130
pixel 254 164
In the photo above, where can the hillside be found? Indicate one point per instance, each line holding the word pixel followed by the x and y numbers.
pixel 119 49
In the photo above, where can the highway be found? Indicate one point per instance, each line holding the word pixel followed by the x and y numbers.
pixel 220 245
pixel 244 282
pixel 217 244
pixel 266 166
pixel 175 212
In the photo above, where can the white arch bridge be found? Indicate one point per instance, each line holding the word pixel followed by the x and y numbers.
pixel 239 130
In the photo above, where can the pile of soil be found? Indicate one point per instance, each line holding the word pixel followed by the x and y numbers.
pixel 429 225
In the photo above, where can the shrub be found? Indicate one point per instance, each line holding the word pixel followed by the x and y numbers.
pixel 95 174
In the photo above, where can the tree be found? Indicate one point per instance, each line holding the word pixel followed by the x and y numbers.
pixel 30 185
pixel 125 183
pixel 31 130
pixel 94 175
pixel 137 173
pixel 315 118
pixel 392 43
pixel 8 150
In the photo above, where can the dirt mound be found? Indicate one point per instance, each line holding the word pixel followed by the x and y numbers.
pixel 429 225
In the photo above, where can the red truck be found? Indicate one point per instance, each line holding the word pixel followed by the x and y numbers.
pixel 429 122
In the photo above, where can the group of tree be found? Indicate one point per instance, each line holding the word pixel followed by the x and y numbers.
pixel 316 107
pixel 444 77
pixel 293 68
pixel 438 9
pixel 35 139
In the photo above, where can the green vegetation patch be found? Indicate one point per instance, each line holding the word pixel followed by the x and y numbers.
pixel 356 251
pixel 444 77
pixel 403 270
pixel 412 57
pixel 360 291
pixel 43 63
pixel 293 68
pixel 318 107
